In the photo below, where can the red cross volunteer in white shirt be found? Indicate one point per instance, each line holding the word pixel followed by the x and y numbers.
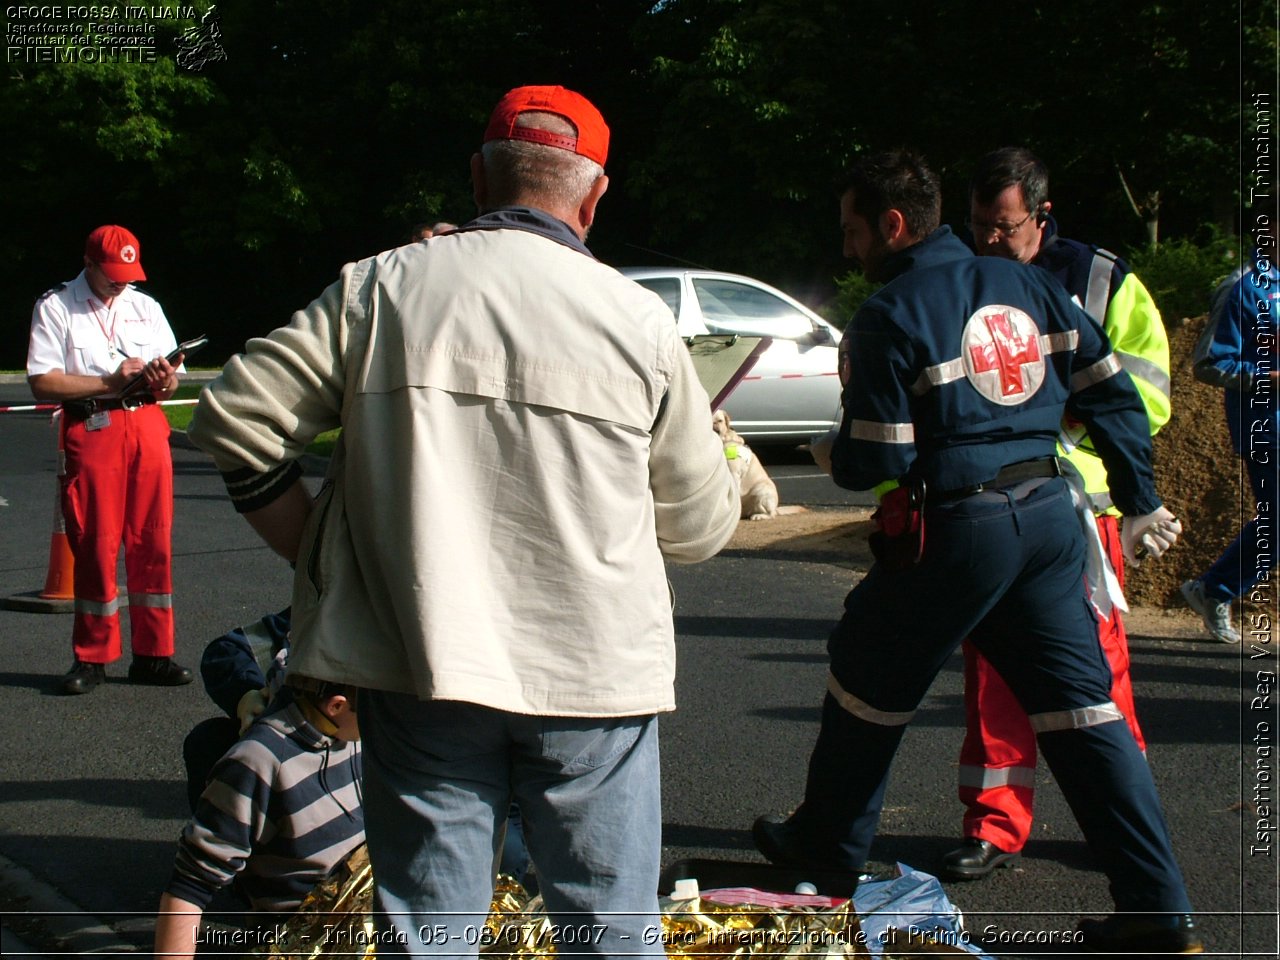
pixel 89 338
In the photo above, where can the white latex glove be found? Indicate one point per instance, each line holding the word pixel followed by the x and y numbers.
pixel 820 450
pixel 1148 535
pixel 250 708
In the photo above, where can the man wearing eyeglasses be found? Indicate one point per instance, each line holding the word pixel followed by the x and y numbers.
pixel 960 369
pixel 1009 218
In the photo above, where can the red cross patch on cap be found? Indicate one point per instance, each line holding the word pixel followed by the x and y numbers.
pixel 592 140
pixel 117 253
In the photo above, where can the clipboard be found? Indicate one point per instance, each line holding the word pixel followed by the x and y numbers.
pixel 722 360
pixel 184 350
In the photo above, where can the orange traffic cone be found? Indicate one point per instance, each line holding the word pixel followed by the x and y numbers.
pixel 59 581
pixel 58 595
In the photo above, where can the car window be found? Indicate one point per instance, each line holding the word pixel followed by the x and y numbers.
pixel 668 288
pixel 734 307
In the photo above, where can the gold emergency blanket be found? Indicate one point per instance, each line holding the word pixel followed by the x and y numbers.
pixel 335 921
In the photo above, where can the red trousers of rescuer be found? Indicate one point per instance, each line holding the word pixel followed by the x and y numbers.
pixel 117 486
pixel 998 757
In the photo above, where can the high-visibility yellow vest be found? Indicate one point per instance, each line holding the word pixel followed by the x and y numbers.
pixel 1132 323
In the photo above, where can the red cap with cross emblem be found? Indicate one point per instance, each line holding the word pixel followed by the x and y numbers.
pixel 592 140
pixel 117 253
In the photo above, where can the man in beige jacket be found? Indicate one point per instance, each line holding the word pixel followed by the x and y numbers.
pixel 524 441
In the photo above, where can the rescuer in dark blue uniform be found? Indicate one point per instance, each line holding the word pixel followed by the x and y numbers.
pixel 957 373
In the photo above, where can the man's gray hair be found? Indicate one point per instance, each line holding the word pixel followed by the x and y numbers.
pixel 518 172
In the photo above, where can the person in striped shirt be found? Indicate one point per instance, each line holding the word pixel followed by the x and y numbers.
pixel 283 807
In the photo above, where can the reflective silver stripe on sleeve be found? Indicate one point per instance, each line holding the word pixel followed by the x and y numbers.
pixel 937 375
pixel 1058 342
pixel 1098 295
pixel 863 710
pixel 161 601
pixel 95 609
pixel 1075 719
pixel 1143 369
pixel 952 370
pixel 986 778
pixel 882 432
pixel 1108 366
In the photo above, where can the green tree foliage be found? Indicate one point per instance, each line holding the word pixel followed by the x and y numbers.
pixel 1181 274
pixel 785 92
pixel 88 143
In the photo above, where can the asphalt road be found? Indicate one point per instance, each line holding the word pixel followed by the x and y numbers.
pixel 92 794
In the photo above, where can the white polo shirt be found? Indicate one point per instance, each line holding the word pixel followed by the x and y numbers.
pixel 72 330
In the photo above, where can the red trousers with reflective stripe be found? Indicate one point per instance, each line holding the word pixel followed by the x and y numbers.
pixel 998 757
pixel 117 487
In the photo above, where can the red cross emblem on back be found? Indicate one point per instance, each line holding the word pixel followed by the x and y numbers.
pixel 1002 355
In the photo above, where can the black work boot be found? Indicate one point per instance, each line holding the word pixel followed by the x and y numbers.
pixel 1156 934
pixel 83 676
pixel 158 671
pixel 974 859
pixel 782 841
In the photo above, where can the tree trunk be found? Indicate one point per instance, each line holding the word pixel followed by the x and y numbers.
pixel 1151 219
pixel 1147 209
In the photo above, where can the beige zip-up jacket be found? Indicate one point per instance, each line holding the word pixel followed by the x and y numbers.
pixel 524 441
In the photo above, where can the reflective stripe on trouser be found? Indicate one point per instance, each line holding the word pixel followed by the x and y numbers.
pixel 1009 576
pixel 118 488
pixel 439 777
pixel 998 756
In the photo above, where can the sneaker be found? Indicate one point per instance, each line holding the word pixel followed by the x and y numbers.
pixel 159 671
pixel 1149 934
pixel 1216 614
pixel 83 677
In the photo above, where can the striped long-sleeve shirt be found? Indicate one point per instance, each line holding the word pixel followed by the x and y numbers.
pixel 282 808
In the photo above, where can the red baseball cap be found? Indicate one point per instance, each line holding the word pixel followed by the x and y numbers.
pixel 592 140
pixel 117 253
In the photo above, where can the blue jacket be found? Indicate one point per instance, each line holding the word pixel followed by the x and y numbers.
pixel 961 365
pixel 1240 354
pixel 1077 267
pixel 238 661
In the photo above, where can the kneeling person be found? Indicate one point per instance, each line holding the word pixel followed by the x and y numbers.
pixel 282 808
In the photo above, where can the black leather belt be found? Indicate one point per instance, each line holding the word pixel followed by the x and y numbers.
pixel 1008 476
pixel 84 409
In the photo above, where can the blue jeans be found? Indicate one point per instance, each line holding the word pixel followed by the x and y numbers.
pixel 439 778
pixel 1240 567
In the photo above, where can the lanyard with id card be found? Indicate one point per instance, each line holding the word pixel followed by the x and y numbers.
pixel 98 421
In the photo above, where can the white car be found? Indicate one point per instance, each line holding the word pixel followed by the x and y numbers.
pixel 793 393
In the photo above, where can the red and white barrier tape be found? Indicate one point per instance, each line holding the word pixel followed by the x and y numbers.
pixel 27 408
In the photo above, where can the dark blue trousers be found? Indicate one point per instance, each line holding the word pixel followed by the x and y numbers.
pixel 1009 574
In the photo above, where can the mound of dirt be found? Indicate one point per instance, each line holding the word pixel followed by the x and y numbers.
pixel 1198 475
